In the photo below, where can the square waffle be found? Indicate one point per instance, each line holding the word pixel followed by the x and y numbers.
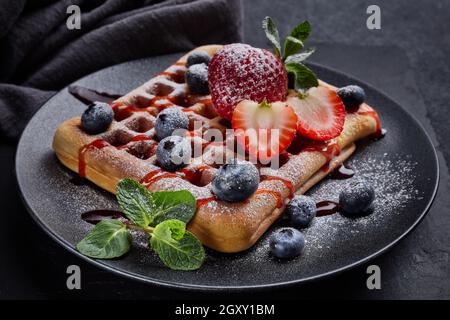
pixel 127 150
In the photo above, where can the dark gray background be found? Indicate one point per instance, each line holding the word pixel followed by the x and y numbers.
pixel 407 59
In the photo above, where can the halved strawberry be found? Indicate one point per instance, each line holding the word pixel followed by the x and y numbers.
pixel 264 129
pixel 321 113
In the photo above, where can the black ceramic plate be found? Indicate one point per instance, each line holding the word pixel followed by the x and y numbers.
pixel 402 166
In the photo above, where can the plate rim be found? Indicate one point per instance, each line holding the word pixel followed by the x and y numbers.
pixel 234 288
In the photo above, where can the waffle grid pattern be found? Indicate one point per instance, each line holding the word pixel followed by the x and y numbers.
pixel 128 151
pixel 133 128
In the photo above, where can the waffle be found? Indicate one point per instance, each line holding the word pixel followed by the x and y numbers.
pixel 127 150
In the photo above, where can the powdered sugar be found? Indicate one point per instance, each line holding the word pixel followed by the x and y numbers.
pixel 393 181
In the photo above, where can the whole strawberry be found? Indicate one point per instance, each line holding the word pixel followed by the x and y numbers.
pixel 240 72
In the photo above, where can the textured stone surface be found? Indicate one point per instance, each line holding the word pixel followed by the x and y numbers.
pixel 407 59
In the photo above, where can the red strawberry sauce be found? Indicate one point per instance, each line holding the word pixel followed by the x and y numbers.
pixel 98 144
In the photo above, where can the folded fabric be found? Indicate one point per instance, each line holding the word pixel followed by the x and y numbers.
pixel 39 55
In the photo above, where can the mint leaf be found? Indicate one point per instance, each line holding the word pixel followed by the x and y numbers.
pixel 135 201
pixel 304 76
pixel 272 34
pixel 300 57
pixel 291 45
pixel 170 230
pixel 109 239
pixel 177 248
pixel 167 205
pixel 302 31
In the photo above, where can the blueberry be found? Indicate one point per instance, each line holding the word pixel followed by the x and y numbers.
pixel 287 243
pixel 369 210
pixel 173 153
pixel 352 96
pixel 235 181
pixel 198 57
pixel 301 210
pixel 97 118
pixel 197 78
pixel 169 120
pixel 357 198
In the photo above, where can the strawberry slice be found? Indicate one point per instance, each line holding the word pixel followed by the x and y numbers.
pixel 321 113
pixel 264 129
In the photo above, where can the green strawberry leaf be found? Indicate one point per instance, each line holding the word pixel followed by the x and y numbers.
pixel 305 77
pixel 109 239
pixel 135 201
pixel 291 46
pixel 272 34
pixel 301 31
pixel 293 60
pixel 179 205
pixel 177 248
pixel 300 57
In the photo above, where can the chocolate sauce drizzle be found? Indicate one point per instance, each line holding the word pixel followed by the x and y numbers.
pixel 342 172
pixel 95 216
pixel 88 96
pixel 326 208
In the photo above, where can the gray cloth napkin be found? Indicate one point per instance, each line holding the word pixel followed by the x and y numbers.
pixel 39 55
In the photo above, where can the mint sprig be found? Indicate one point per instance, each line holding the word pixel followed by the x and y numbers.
pixel 292 55
pixel 162 215
pixel 109 239
pixel 177 248
pixel 148 209
pixel 135 202
pixel 179 205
